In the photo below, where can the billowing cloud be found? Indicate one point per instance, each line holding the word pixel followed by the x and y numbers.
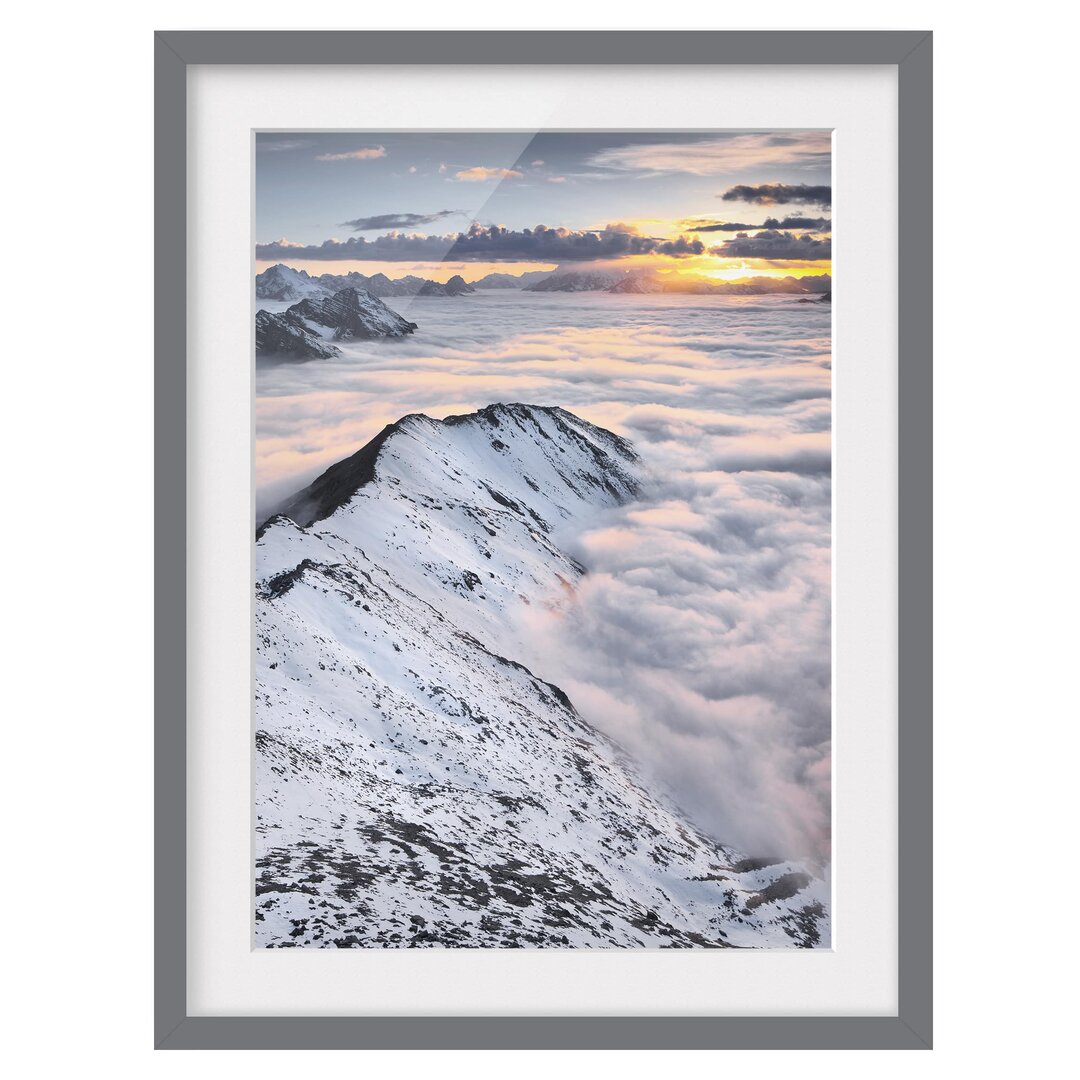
pixel 396 221
pixel 679 248
pixel 771 194
pixel 365 153
pixel 719 155
pixel 817 225
pixel 479 174
pixel 773 244
pixel 700 638
pixel 490 243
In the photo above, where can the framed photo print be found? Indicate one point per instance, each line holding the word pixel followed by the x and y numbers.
pixel 543 540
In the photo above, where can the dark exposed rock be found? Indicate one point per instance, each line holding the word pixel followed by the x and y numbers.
pixel 456 286
pixel 286 338
pixel 353 314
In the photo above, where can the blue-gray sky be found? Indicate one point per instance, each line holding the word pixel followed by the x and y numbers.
pixel 399 201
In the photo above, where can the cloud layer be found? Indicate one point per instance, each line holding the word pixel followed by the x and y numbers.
pixel 817 225
pixel 700 638
pixel 773 244
pixel 772 194
pixel 487 243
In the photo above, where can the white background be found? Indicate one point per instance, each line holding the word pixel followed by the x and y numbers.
pixel 76 431
pixel 227 977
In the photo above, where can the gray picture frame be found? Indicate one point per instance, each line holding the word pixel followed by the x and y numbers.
pixel 911 52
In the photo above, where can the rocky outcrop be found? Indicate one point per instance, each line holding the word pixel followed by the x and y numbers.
pixel 283 337
pixel 351 314
pixel 307 330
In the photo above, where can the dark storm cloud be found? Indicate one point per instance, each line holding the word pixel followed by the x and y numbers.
pixel 772 244
pixel 680 248
pixel 818 225
pixel 488 243
pixel 771 194
pixel 396 221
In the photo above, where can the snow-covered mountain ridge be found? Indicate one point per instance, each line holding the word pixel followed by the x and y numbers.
pixel 417 784
pixel 307 329
pixel 281 282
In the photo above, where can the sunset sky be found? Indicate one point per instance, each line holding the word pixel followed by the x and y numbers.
pixel 730 204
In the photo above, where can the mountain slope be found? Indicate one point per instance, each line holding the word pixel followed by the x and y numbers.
pixel 286 338
pixel 417 784
pixel 577 281
pixel 498 280
pixel 281 282
pixel 305 330
pixel 351 313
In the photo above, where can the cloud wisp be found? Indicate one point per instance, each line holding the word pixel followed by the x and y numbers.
pixel 396 221
pixel 365 153
pixel 816 225
pixel 720 154
pixel 480 174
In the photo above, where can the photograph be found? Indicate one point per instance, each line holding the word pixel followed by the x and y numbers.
pixel 542 598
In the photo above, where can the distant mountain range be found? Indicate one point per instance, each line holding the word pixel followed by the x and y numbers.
pixel 578 281
pixel 512 281
pixel 307 330
pixel 281 282
pixel 643 281
pixel 759 286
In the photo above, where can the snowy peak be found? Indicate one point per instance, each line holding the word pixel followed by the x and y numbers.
pixel 352 313
pixel 281 282
pixel 305 330
pixel 519 455
pixel 335 487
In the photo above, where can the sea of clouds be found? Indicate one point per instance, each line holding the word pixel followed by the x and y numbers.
pixel 700 639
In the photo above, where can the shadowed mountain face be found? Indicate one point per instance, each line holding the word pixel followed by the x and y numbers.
pixel 577 281
pixel 307 330
pixel 284 337
pixel 352 314
pixel 417 784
